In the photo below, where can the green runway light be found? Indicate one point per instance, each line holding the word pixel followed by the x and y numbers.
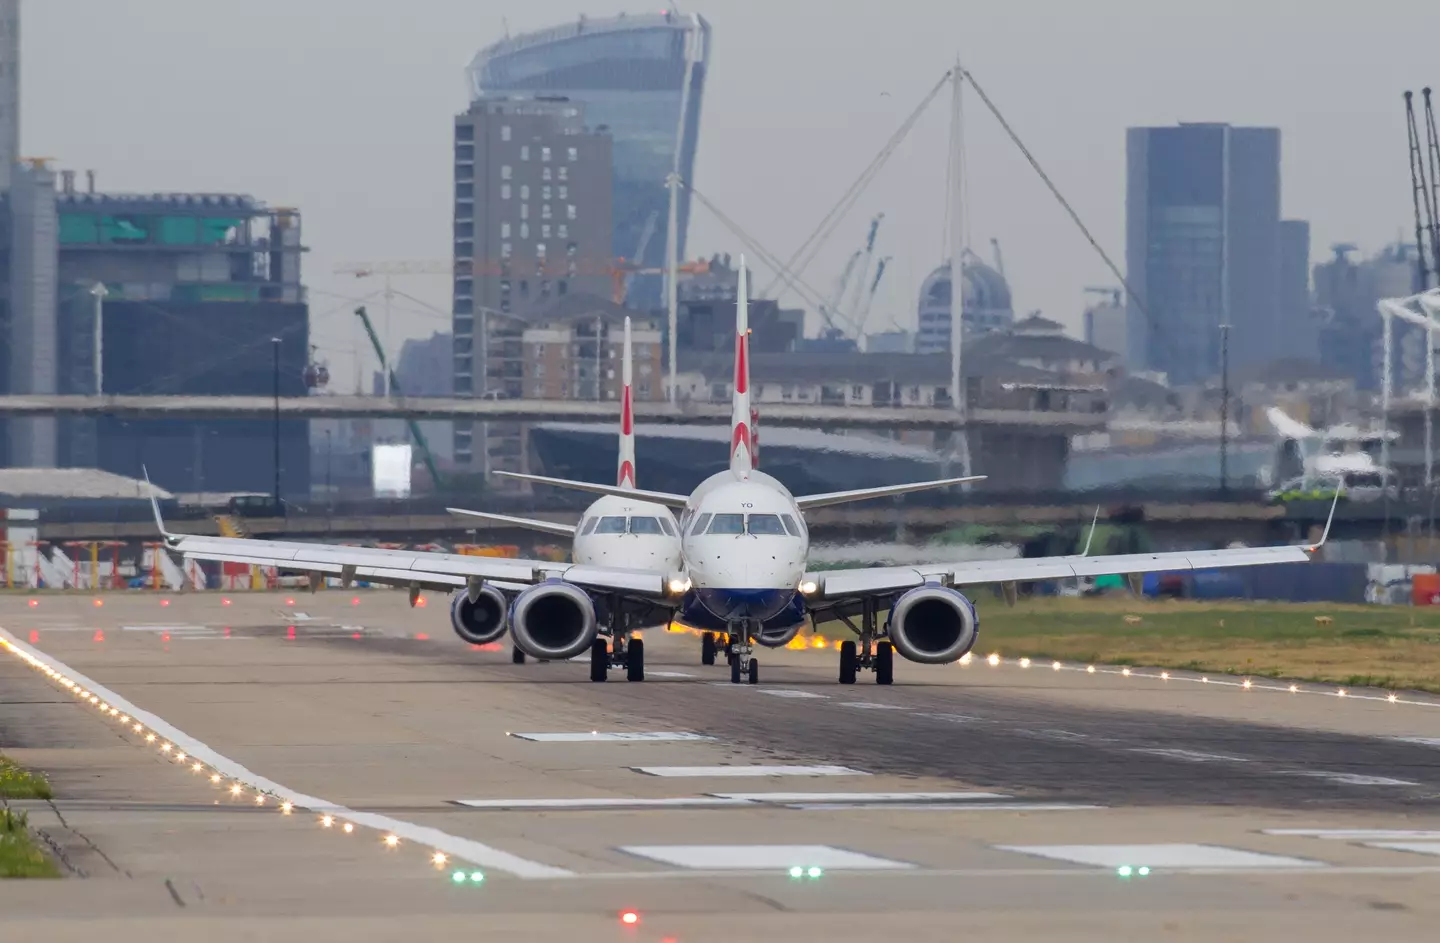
pixel 458 877
pixel 476 877
pixel 1124 870
pixel 815 872
pixel 1144 871
pixel 797 872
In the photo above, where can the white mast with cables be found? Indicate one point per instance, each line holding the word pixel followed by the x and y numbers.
pixel 957 275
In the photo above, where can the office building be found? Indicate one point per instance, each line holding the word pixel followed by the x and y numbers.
pixel 642 78
pixel 532 224
pixel 1297 336
pixel 985 305
pixel 706 293
pixel 1350 329
pixel 189 290
pixel 1203 247
pixel 9 90
pixel 1105 324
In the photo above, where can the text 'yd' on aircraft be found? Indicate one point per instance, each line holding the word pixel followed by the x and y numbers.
pixel 743 571
pixel 616 531
pixel 745 542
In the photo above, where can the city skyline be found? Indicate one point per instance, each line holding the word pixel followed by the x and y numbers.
pixel 355 129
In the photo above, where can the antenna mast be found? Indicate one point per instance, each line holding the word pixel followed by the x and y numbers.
pixel 957 276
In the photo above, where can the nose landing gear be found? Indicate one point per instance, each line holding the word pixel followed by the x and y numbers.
pixel 743 663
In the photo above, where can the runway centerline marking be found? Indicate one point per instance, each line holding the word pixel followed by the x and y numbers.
pixel 668 674
pixel 1162 856
pixel 463 849
pixel 731 771
pixel 1418 847
pixel 790 692
pixel 1356 834
pixel 747 857
pixel 1193 756
pixel 658 736
pixel 1349 779
pixel 858 797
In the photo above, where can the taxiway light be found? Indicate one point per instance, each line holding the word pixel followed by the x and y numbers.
pixel 629 918
pixel 197 767
pixel 1245 684
pixel 439 859
pixel 215 778
pixel 391 841
pixel 994 659
pixel 286 808
pixel 1024 663
pixel 347 828
pixel 327 820
pixel 1393 698
pixel 235 790
pixel 1055 665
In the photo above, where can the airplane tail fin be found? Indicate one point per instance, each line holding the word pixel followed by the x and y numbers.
pixel 742 443
pixel 626 472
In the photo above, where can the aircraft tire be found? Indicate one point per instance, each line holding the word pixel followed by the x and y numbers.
pixel 707 648
pixel 849 664
pixel 754 671
pixel 635 661
pixel 599 660
pixel 884 663
pixel 734 669
pixel 517 657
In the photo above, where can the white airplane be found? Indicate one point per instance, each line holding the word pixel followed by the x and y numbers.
pixel 614 531
pixel 744 568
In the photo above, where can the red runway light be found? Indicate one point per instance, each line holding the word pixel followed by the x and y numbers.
pixel 629 918
pixel 164 602
pixel 290 633
pixel 34 603
pixel 99 635
pixel 165 637
pixel 355 600
pixel 34 637
pixel 99 602
pixel 227 631
pixel 225 601
pixel 421 636
pixel 420 603
pixel 355 635
pixel 289 602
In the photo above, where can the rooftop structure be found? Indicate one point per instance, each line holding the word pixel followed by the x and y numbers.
pixel 986 305
pixel 642 79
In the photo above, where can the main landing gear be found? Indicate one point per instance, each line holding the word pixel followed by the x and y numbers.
pixel 626 652
pixel 744 666
pixel 867 654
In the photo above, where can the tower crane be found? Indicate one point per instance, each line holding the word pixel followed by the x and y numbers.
pixel 1432 149
pixel 419 436
pixel 831 308
pixel 865 266
pixel 864 315
pixel 1424 209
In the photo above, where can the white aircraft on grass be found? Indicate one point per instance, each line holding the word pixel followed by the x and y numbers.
pixel 614 531
pixel 744 570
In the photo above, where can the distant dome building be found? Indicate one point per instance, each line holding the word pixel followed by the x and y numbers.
pixel 986 300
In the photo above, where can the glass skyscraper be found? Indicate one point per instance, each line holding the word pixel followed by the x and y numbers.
pixel 642 79
pixel 1203 247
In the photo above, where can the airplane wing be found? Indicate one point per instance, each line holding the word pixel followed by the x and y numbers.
pixel 881 581
pixel 865 494
pixel 544 527
pixel 656 497
pixel 408 568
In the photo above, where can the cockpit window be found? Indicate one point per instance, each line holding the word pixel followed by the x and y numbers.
pixel 790 526
pixel 589 527
pixel 700 523
pixel 766 525
pixel 611 525
pixel 727 524
pixel 645 525
pixel 665 526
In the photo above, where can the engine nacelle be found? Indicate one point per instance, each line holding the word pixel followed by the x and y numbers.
pixel 553 621
pixel 933 625
pixel 482 621
pixel 779 636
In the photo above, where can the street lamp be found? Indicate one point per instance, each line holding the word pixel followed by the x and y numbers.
pixel 99 292
pixel 275 344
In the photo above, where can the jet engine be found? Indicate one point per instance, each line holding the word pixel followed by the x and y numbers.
pixel 933 625
pixel 553 621
pixel 482 621
pixel 778 630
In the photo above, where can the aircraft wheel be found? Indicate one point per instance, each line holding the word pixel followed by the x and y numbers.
pixel 707 648
pixel 884 663
pixel 599 660
pixel 635 661
pixel 517 657
pixel 754 671
pixel 849 664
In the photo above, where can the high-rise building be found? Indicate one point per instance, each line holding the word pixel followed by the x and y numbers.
pixel 1351 331
pixel 985 301
pixel 33 311
pixel 532 224
pixel 1203 247
pixel 9 89
pixel 1296 335
pixel 642 78
pixel 1105 325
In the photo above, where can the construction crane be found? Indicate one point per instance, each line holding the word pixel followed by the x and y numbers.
pixel 1420 190
pixel 1113 293
pixel 646 232
pixel 1432 148
pixel 366 269
pixel 623 270
pixel 999 259
pixel 394 386
pixel 831 308
pixel 864 315
pixel 865 265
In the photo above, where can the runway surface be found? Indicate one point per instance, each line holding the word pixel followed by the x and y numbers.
pixel 990 801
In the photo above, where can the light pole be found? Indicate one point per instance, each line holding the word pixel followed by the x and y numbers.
pixel 275 344
pixel 99 291
pixel 1224 409
pixel 329 495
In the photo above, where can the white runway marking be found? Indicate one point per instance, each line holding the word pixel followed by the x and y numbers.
pixel 727 771
pixel 1161 856
pixel 667 674
pixel 1422 741
pixel 787 692
pixel 1352 779
pixel 1193 756
pixel 173 629
pixel 1419 847
pixel 747 857
pixel 858 797
pixel 871 705
pixel 648 737
pixel 677 803
pixel 1357 834
pixel 463 849
pixel 1017 806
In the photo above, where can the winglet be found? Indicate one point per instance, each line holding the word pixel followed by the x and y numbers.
pixel 1339 489
pixel 155 505
pixel 1093 524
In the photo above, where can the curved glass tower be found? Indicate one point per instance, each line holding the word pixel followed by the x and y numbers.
pixel 640 77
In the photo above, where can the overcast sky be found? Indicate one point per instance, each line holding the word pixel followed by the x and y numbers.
pixel 343 109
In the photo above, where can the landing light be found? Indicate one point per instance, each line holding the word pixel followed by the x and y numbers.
pixel 808 586
pixel 678 585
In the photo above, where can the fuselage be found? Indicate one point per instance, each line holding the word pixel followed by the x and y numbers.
pixel 628 533
pixel 744 543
